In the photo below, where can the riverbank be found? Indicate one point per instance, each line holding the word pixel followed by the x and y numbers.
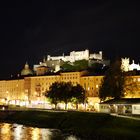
pixel 82 124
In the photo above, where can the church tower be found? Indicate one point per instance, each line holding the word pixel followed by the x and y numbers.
pixel 125 64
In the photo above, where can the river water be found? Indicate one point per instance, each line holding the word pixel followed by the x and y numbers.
pixel 21 132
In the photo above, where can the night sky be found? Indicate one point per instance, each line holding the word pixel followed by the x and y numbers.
pixel 31 30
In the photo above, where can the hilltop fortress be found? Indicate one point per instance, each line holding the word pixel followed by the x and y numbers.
pixel 77 55
pixel 55 62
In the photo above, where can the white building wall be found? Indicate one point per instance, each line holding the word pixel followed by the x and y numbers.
pixel 77 55
pixel 126 66
pixel 104 108
pixel 136 109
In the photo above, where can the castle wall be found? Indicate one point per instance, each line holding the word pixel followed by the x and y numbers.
pixel 77 55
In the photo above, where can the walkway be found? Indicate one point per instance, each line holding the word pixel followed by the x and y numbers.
pixel 124 116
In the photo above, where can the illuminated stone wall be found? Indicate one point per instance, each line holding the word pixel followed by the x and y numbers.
pixel 12 89
pixel 36 86
pixel 73 77
pixel 91 84
pixel 133 87
pixel 77 55
pixel 126 66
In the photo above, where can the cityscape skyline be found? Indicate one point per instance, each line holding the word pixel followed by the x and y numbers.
pixel 35 29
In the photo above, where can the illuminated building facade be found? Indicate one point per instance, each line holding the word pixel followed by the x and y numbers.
pixel 41 70
pixel 73 77
pixel 36 86
pixel 134 87
pixel 12 90
pixel 91 85
pixel 31 89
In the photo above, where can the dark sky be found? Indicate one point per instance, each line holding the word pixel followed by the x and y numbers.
pixel 30 30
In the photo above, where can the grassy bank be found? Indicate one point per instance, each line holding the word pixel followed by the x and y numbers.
pixel 83 124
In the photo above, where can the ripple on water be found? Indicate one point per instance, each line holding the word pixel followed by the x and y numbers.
pixel 71 137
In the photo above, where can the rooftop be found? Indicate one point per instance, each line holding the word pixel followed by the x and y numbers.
pixel 123 101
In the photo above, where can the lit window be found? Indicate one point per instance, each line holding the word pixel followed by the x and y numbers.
pixel 97 86
pixel 134 79
pixel 138 79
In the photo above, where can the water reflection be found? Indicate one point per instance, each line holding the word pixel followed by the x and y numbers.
pixel 17 131
pixel 72 138
pixel 5 132
pixel 21 132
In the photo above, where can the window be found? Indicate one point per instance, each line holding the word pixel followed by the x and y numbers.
pixel 97 86
pixel 134 79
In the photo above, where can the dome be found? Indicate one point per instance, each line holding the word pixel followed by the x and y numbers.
pixel 26 70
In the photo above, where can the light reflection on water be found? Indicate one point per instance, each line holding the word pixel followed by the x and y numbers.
pixel 21 132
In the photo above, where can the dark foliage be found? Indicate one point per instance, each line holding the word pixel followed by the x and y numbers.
pixel 113 82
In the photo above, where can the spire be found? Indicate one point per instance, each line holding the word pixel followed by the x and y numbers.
pixel 133 62
pixel 44 59
pixel 26 65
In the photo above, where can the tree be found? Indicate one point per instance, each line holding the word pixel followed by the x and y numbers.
pixel 96 67
pixel 75 66
pixel 67 67
pixel 60 92
pixel 78 95
pixel 66 94
pixel 80 65
pixel 113 82
pixel 53 93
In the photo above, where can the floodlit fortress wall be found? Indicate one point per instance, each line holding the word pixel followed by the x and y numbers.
pixel 77 55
